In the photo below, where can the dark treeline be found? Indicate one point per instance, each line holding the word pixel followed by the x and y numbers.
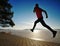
pixel 6 14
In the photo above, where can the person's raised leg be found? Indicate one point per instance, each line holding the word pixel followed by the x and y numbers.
pixel 45 25
pixel 34 25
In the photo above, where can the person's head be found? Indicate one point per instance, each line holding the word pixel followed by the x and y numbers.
pixel 36 5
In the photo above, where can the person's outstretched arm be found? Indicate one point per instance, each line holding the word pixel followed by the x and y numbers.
pixel 45 13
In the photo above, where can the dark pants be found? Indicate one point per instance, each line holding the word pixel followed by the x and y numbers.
pixel 43 23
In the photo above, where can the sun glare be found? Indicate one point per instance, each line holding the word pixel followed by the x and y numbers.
pixel 37 39
pixel 36 31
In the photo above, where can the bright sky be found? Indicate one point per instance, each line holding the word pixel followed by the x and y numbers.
pixel 24 17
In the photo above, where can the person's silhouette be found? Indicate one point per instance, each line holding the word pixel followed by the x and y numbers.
pixel 40 19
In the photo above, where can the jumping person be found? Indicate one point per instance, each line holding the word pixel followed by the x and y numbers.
pixel 38 12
